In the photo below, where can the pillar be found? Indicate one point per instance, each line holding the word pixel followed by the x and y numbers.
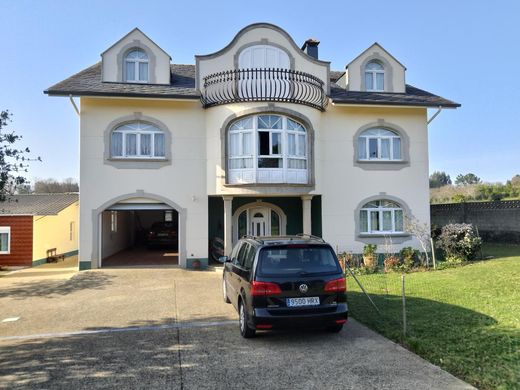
pixel 307 219
pixel 228 220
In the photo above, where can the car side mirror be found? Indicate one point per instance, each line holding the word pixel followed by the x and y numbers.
pixel 224 259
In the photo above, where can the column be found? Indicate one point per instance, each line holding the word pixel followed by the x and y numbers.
pixel 228 220
pixel 307 219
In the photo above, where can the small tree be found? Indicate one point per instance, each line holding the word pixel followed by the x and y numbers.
pixel 421 231
pixel 13 161
pixel 468 178
pixel 439 179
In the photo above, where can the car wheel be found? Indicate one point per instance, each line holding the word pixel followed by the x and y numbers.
pixel 224 291
pixel 335 328
pixel 245 330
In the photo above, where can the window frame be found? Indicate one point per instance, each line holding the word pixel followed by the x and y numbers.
pixel 301 140
pixel 152 130
pixel 6 230
pixel 380 210
pixel 379 139
pixel 136 62
pixel 372 73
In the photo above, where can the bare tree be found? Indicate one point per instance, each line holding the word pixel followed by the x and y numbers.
pixel 53 186
pixel 422 232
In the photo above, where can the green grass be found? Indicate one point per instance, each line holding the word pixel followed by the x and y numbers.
pixel 465 319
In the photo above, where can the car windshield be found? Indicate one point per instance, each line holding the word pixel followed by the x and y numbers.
pixel 297 260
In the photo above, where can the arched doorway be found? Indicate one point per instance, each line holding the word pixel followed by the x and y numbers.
pixel 135 221
pixel 259 219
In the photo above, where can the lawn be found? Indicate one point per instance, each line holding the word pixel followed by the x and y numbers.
pixel 465 319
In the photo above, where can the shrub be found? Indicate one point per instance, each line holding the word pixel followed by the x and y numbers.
pixel 369 249
pixel 409 256
pixel 460 240
pixel 392 263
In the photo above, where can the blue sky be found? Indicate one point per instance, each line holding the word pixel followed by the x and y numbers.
pixel 466 51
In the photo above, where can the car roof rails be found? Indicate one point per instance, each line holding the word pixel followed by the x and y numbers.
pixel 311 237
pixel 254 238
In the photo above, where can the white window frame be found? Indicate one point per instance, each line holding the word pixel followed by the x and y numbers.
pixel 150 130
pixel 284 146
pixel 379 139
pixel 6 230
pixel 380 209
pixel 136 62
pixel 373 75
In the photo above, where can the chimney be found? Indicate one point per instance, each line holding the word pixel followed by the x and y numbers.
pixel 311 47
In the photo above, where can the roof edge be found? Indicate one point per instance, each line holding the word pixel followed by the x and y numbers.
pixel 130 32
pixel 252 27
pixel 368 48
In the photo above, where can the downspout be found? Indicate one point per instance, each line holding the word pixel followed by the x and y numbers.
pixel 76 107
pixel 434 115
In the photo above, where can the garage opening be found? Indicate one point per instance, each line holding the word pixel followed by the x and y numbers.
pixel 139 235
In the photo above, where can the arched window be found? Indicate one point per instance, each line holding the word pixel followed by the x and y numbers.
pixel 379 144
pixel 263 56
pixel 267 148
pixel 137 140
pixel 136 66
pixel 374 76
pixel 381 217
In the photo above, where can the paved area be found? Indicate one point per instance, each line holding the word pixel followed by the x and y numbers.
pixel 141 256
pixel 167 328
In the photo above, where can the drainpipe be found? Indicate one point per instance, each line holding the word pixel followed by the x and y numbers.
pixel 434 115
pixel 74 104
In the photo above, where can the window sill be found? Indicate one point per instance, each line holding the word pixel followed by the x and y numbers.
pixel 382 161
pixel 378 235
pixel 133 159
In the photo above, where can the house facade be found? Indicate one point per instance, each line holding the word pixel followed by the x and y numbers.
pixel 32 225
pixel 258 138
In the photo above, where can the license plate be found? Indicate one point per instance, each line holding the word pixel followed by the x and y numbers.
pixel 307 301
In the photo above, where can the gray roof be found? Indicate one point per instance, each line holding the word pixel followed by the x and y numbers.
pixel 37 204
pixel 182 86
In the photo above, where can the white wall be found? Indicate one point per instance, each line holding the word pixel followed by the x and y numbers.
pixel 183 181
pixel 114 242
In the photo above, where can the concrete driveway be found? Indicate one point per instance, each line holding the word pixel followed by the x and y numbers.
pixel 167 328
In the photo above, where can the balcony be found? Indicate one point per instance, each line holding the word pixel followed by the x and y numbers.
pixel 263 85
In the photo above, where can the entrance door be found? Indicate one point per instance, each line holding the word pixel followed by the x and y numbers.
pixel 259 222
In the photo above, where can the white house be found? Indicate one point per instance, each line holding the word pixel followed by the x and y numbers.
pixel 259 138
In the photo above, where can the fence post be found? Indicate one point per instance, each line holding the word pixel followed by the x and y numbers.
pixel 404 305
pixel 433 254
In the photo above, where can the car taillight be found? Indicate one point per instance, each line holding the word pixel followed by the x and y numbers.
pixel 264 288
pixel 336 285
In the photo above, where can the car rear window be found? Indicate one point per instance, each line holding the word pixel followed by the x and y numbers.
pixel 297 260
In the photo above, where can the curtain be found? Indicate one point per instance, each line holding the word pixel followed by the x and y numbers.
pixel 363 221
pixel 387 221
pixel 374 221
pixel 380 81
pixel 247 141
pixel 385 147
pixel 143 71
pixel 146 144
pixel 131 144
pixel 117 145
pixel 292 144
pixel 129 70
pixel 159 145
pixel 397 148
pixel 362 148
pixel 369 84
pixel 294 163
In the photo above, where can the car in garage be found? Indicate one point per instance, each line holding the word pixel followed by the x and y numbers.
pixel 280 282
pixel 162 234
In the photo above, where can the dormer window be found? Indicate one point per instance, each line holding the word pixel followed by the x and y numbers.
pixel 136 66
pixel 374 76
